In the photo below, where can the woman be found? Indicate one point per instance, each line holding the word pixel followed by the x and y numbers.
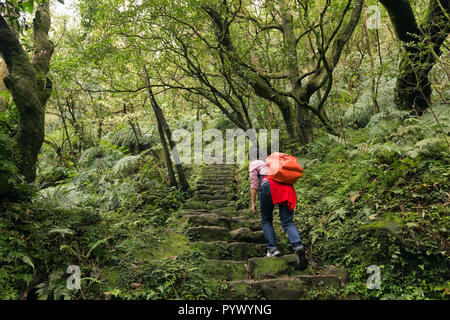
pixel 270 194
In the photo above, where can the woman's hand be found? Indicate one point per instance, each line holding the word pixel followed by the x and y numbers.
pixel 254 209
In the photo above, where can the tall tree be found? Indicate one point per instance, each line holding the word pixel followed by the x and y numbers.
pixel 28 83
pixel 294 103
pixel 421 47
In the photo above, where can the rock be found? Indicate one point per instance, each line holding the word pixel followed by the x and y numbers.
pixel 242 234
pixel 208 233
pixel 273 289
pixel 253 224
pixel 204 219
pixel 245 250
pixel 320 281
pixel 195 204
pixel 268 268
pixel 246 235
pixel 222 250
pixel 341 273
pixel 227 270
pixel 288 288
pixel 215 204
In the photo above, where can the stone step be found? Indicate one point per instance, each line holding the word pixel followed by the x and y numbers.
pixel 196 218
pixel 196 212
pixel 219 168
pixel 268 268
pixel 287 288
pixel 222 173
pixel 222 250
pixel 228 270
pixel 206 196
pixel 229 212
pixel 208 233
pixel 195 204
pixel 216 179
pixel 216 232
pixel 206 219
pixel 218 204
pixel 246 235
pixel 209 197
pixel 213 188
pixel 244 222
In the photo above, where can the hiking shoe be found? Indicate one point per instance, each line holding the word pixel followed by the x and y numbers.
pixel 273 253
pixel 302 263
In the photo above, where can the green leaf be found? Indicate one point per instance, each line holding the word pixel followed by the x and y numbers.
pixel 95 245
pixel 61 1
pixel 61 231
pixel 28 6
pixel 28 261
pixel 70 249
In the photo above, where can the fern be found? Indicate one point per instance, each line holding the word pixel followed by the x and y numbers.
pixel 62 231
pixel 63 196
pixel 337 139
pixel 126 165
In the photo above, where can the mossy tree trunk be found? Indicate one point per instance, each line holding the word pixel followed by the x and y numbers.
pixel 29 86
pixel 422 45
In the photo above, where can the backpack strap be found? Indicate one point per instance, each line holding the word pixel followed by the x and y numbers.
pixel 260 176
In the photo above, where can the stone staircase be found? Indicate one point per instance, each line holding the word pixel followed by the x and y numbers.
pixel 234 244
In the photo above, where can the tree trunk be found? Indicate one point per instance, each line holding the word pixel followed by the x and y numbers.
pixel 29 86
pixel 421 47
pixel 159 121
pixel 300 117
pixel 181 175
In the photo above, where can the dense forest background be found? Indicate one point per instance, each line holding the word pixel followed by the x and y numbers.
pixel 91 92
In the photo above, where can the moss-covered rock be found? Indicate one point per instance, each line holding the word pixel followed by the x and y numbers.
pixel 247 235
pixel 215 204
pixel 227 270
pixel 268 268
pixel 227 211
pixel 273 289
pixel 195 204
pixel 232 250
pixel 208 233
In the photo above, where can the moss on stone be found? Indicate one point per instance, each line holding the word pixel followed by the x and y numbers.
pixel 174 244
pixel 268 267
pixel 227 270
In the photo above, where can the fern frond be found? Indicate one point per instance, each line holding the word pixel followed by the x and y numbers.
pixel 336 139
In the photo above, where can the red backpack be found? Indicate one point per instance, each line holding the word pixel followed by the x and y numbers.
pixel 283 168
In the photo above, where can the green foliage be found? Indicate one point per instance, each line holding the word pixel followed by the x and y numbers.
pixel 179 277
pixel 30 244
pixel 12 184
pixel 380 197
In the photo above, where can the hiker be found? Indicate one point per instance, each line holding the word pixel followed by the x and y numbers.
pixel 286 199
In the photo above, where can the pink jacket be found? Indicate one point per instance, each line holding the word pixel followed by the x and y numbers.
pixel 257 166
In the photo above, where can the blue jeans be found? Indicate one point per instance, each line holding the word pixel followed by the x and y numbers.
pixel 266 206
